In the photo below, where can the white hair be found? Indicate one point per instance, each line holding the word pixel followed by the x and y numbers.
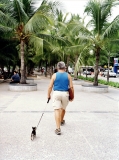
pixel 61 65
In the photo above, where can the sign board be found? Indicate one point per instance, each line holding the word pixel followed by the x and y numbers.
pixel 115 61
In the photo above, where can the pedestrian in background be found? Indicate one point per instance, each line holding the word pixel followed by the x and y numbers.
pixel 55 70
pixel 61 81
pixel 15 78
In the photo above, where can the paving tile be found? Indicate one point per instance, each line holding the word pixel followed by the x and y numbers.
pixel 91 131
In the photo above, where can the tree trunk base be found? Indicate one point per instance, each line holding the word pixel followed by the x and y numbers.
pixel 23 87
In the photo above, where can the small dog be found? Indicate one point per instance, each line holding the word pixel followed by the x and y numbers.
pixel 33 133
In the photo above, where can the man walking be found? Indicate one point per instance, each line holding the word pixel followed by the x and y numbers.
pixel 61 81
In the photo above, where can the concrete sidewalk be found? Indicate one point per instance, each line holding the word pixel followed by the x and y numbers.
pixel 91 131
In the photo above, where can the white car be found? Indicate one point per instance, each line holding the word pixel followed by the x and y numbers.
pixel 87 72
pixel 111 74
pixel 70 70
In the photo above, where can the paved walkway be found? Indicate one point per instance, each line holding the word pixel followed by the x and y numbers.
pixel 91 131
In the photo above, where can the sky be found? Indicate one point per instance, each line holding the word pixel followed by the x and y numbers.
pixel 77 7
pixel 74 6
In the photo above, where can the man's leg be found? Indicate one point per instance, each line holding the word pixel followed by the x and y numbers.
pixel 62 114
pixel 12 82
pixel 57 118
pixel 15 82
pixel 57 105
pixel 65 101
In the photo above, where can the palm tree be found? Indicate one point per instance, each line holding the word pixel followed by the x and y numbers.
pixel 77 48
pixel 55 43
pixel 8 55
pixel 30 20
pixel 100 11
pixel 111 47
pixel 100 29
pixel 64 38
pixel 6 21
pixel 8 51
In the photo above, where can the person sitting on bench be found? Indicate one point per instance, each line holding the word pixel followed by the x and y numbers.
pixel 15 78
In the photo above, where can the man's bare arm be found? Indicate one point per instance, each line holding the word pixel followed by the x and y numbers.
pixel 51 85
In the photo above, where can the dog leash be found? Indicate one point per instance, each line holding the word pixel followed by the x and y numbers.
pixel 42 113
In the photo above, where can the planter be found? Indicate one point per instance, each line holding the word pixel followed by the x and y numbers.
pixel 96 89
pixel 23 87
pixel 78 82
pixel 29 80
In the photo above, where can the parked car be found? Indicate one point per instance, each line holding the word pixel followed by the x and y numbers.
pixel 70 70
pixel 87 72
pixel 111 73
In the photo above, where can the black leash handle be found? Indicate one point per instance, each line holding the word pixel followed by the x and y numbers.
pixel 42 114
pixel 48 100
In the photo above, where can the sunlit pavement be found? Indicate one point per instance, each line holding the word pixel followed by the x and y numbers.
pixel 91 131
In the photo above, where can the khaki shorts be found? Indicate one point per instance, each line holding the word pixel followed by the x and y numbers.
pixel 60 99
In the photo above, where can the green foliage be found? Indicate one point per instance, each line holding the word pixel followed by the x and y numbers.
pixel 103 82
pixel 50 36
pixel 86 78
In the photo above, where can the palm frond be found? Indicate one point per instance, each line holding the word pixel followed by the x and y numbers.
pixel 77 27
pixel 5 29
pixel 81 57
pixel 37 44
pixel 55 6
pixel 38 21
pixel 30 6
pixel 111 27
pixel 18 11
pixel 6 19
pixel 99 11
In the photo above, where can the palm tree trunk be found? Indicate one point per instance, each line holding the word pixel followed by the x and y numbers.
pixel 50 71
pixel 67 61
pixel 80 71
pixel 96 71
pixel 13 69
pixel 9 71
pixel 75 71
pixel 108 67
pixel 46 69
pixel 86 72
pixel 23 79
